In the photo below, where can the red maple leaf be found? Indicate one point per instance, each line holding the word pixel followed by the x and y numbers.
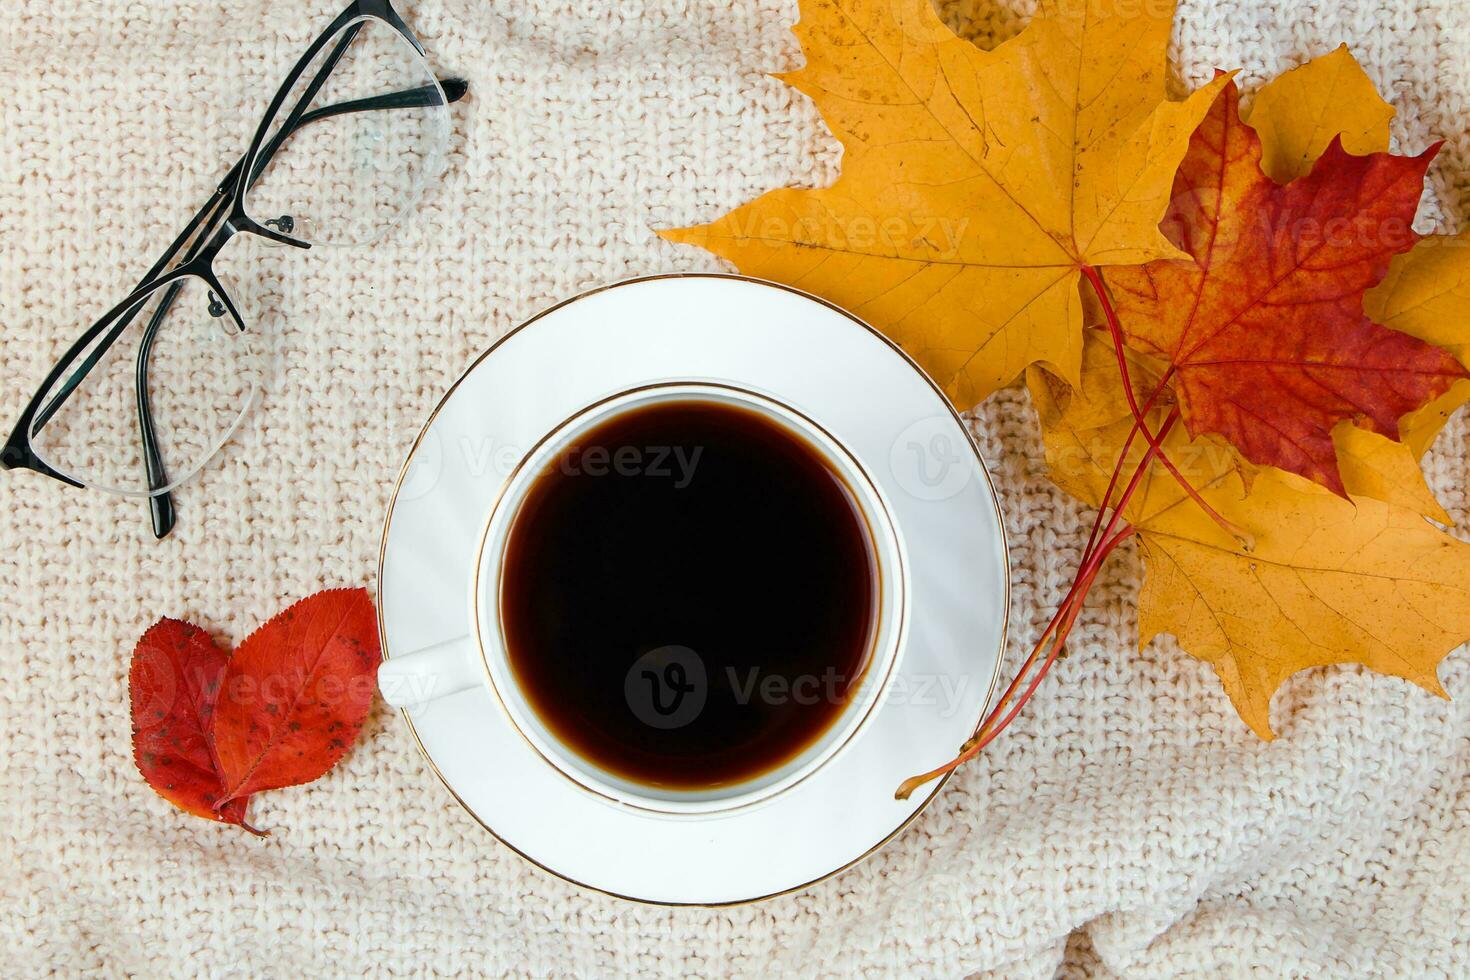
pixel 1264 332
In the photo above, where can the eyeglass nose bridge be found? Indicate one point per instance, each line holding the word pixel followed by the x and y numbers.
pixel 271 230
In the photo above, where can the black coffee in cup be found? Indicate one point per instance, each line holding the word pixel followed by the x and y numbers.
pixel 688 594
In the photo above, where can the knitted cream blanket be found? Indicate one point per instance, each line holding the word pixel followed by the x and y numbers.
pixel 1128 824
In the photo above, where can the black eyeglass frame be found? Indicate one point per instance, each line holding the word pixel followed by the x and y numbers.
pixel 209 237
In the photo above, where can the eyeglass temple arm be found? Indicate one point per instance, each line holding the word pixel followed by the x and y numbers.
pixel 161 512
pixel 160 506
pixel 454 90
pixel 206 217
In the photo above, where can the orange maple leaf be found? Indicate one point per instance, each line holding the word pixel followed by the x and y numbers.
pixel 1264 331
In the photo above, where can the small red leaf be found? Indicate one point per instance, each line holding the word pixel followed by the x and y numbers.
pixel 296 693
pixel 172 683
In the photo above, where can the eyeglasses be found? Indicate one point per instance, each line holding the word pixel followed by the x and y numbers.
pixel 153 390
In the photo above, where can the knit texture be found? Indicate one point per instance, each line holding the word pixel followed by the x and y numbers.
pixel 1127 824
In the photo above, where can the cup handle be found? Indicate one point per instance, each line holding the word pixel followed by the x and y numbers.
pixel 435 672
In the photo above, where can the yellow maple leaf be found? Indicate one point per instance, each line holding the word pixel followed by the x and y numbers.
pixel 1427 294
pixel 1328 581
pixel 1297 113
pixel 1426 291
pixel 975 183
pixel 1378 467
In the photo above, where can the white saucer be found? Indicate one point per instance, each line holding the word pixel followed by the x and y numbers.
pixel 872 399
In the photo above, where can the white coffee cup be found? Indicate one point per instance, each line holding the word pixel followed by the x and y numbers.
pixel 480 658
